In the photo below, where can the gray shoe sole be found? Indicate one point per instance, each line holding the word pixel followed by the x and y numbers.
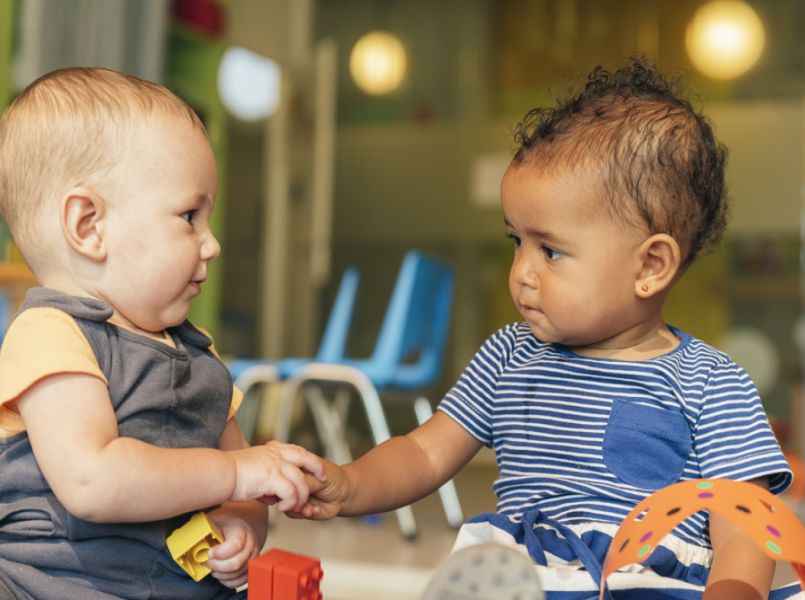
pixel 485 572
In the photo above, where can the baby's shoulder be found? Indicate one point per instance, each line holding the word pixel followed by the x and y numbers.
pixel 42 323
pixel 695 351
pixel 513 342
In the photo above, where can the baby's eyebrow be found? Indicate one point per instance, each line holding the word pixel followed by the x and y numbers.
pixel 541 234
pixel 201 199
pixel 532 232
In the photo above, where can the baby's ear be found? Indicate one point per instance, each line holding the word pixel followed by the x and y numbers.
pixel 660 258
pixel 82 222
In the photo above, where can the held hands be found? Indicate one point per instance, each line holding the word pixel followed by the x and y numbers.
pixel 328 495
pixel 275 473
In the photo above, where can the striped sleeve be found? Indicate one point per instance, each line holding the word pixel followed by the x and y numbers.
pixel 732 436
pixel 470 401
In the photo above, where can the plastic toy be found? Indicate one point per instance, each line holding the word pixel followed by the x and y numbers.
pixel 484 572
pixel 190 545
pixel 765 518
pixel 281 575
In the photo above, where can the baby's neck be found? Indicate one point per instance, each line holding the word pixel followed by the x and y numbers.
pixel 656 342
pixel 160 336
pixel 71 288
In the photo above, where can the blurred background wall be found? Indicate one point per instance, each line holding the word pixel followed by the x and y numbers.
pixel 331 175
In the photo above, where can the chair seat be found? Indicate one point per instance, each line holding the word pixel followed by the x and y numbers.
pixel 405 378
pixel 249 372
pixel 239 365
pixel 284 369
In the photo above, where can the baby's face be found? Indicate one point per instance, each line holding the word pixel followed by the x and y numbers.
pixel 158 232
pixel 574 268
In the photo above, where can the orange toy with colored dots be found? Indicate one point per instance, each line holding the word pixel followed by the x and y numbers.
pixel 765 518
pixel 281 575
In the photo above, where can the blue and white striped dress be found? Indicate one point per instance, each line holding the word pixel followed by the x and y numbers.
pixel 580 441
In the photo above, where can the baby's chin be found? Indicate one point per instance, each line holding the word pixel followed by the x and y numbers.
pixel 554 337
pixel 542 335
pixel 157 325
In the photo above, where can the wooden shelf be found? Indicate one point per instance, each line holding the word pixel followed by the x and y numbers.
pixel 16 273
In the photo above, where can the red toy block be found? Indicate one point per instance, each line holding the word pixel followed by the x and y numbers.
pixel 281 575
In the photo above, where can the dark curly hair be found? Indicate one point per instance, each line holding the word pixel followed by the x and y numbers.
pixel 660 163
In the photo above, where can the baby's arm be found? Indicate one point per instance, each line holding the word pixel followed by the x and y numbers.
pixel 395 473
pixel 244 525
pixel 100 476
pixel 740 570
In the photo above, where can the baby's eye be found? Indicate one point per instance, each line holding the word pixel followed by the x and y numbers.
pixel 188 215
pixel 515 239
pixel 551 253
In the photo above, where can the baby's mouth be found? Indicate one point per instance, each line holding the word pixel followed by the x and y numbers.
pixel 531 310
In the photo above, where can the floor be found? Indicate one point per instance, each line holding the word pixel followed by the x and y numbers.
pixel 368 559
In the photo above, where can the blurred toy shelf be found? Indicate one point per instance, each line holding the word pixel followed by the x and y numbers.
pixel 14 273
pixel 15 276
pixel 15 279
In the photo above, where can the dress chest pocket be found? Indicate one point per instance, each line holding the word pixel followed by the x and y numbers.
pixel 644 446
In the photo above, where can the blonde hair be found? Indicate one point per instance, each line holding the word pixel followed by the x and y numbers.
pixel 68 128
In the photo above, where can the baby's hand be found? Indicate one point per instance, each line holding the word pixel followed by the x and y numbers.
pixel 275 472
pixel 229 560
pixel 327 496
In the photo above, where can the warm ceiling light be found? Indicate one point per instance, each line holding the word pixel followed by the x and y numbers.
pixel 248 84
pixel 377 63
pixel 725 38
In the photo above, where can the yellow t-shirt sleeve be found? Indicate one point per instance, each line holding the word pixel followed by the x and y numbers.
pixel 39 343
pixel 237 395
pixel 237 400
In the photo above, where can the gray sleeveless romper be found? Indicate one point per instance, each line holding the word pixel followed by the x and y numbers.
pixel 174 398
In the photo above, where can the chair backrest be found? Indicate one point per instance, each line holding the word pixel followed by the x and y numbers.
pixel 410 346
pixel 332 346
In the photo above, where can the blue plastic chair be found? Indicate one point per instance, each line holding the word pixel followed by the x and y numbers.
pixel 408 357
pixel 248 373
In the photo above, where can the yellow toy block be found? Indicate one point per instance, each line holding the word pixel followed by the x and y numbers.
pixel 190 545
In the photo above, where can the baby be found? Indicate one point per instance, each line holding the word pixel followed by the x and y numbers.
pixel 116 415
pixel 593 402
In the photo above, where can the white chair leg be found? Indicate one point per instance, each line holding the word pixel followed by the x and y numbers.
pixel 288 393
pixel 447 491
pixel 338 419
pixel 341 402
pixel 371 402
pixel 380 431
pixel 329 425
pixel 246 415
